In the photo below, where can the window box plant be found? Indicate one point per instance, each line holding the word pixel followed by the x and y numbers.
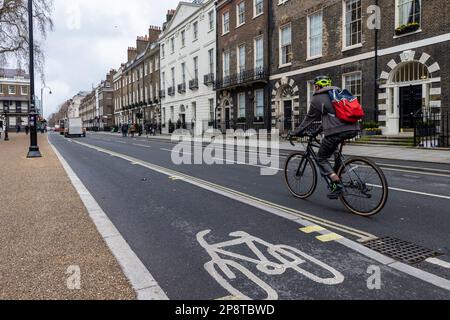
pixel 242 120
pixel 407 28
pixel 259 120
pixel 371 128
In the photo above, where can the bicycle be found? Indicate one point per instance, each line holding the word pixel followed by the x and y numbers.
pixel 362 195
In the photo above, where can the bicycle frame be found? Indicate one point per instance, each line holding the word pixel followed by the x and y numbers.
pixel 313 143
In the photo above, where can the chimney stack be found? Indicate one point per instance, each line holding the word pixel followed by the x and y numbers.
pixel 153 33
pixel 141 44
pixel 132 53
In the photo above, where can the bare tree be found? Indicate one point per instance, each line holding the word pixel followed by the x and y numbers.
pixel 14 30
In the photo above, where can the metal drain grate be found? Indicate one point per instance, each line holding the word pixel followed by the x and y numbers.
pixel 401 250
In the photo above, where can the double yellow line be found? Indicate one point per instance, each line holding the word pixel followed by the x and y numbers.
pixel 247 199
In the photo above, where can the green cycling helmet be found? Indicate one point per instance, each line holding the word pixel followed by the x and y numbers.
pixel 323 81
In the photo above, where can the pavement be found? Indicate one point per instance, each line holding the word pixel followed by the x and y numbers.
pixel 440 156
pixel 204 231
pixel 47 236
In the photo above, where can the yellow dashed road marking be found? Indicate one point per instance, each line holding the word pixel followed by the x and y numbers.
pixel 329 237
pixel 312 229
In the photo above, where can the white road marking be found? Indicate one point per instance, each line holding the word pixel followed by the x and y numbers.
pixel 262 263
pixel 141 145
pixel 143 282
pixel 439 262
pixel 228 161
pixel 299 217
pixel 414 192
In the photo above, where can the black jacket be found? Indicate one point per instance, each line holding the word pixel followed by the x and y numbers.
pixel 323 110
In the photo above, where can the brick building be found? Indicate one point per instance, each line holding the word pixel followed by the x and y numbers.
pixel 333 37
pixel 137 82
pixel 87 110
pixel 104 103
pixel 14 97
pixel 243 52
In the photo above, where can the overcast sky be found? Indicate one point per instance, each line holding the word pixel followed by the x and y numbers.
pixel 90 38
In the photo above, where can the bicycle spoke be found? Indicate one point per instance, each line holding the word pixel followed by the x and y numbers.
pixel 362 195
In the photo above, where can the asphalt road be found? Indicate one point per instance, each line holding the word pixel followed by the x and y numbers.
pixel 169 214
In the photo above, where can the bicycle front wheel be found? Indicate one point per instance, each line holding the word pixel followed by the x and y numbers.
pixel 366 187
pixel 300 175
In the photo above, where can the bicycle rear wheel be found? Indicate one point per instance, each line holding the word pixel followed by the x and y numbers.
pixel 300 175
pixel 366 187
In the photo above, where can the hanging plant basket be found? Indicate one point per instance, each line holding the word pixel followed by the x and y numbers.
pixel 407 28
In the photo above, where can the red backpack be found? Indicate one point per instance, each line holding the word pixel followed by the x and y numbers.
pixel 347 107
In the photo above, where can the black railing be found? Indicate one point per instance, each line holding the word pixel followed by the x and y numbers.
pixel 208 79
pixel 182 88
pixel 244 77
pixel 431 130
pixel 171 91
pixel 193 84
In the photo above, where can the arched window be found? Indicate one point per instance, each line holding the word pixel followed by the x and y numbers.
pixel 411 71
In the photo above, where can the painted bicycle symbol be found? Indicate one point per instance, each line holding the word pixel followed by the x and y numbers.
pixel 287 258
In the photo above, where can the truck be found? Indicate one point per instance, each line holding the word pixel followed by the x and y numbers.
pixel 73 127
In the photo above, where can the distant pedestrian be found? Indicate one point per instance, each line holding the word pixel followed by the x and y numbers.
pixel 125 130
pixel 17 128
pixel 27 129
pixel 133 130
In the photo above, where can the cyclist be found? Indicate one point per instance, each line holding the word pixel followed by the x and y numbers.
pixel 335 131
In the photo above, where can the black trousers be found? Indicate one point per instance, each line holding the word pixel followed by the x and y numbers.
pixel 328 148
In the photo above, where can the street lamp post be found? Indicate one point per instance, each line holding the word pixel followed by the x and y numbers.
pixel 34 148
pixel 6 122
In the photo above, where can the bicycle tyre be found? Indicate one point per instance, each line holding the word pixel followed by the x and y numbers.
pixel 384 187
pixel 311 166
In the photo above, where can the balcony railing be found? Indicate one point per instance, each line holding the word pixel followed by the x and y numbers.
pixel 162 93
pixel 209 79
pixel 171 91
pixel 244 77
pixel 182 88
pixel 193 84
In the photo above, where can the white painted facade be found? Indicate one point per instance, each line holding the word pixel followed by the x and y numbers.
pixel 75 103
pixel 192 31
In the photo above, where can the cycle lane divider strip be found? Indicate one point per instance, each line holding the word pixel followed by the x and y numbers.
pixel 144 284
pixel 306 220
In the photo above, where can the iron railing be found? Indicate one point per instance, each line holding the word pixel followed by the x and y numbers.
pixel 182 88
pixel 208 79
pixel 243 77
pixel 193 84
pixel 431 130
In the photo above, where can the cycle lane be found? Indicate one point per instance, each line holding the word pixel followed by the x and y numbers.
pixel 161 218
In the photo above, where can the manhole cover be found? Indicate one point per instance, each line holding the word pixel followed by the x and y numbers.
pixel 401 250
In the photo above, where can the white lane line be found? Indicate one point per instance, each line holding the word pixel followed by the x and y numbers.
pixel 439 262
pixel 414 192
pixel 304 220
pixel 143 282
pixel 141 145
pixel 226 161
pixel 278 169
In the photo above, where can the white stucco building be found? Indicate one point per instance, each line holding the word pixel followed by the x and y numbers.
pixel 187 57
pixel 74 106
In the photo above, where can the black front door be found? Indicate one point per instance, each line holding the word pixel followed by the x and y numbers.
pixel 227 118
pixel 288 115
pixel 410 104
